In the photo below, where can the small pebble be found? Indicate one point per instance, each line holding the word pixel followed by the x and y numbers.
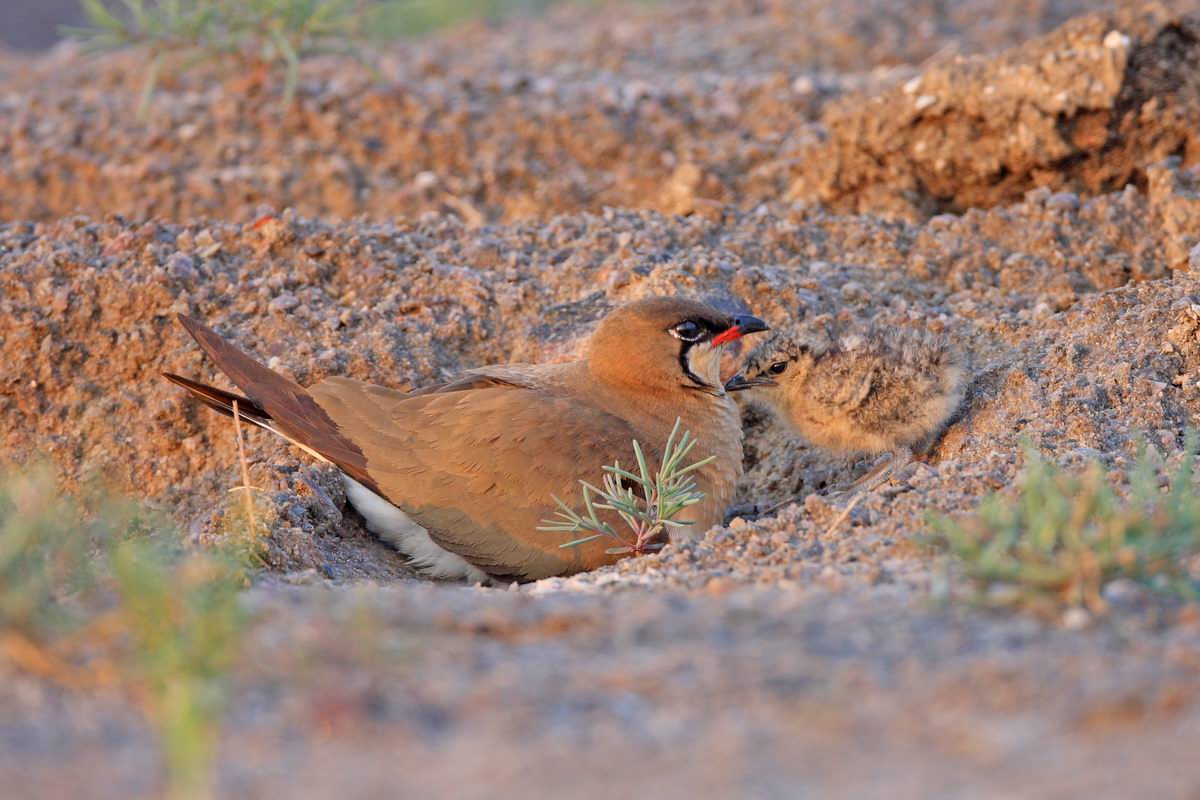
pixel 1064 200
pixel 1075 619
pixel 283 303
pixel 1115 40
pixel 426 180
pixel 804 85
pixel 61 300
pixel 181 266
pixel 1122 591
pixel 853 290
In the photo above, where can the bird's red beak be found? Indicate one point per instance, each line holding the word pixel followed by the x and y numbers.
pixel 742 325
pixel 727 336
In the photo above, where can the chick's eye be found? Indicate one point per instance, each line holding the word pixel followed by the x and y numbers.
pixel 777 368
pixel 688 331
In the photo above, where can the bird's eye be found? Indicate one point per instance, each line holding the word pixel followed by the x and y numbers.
pixel 777 368
pixel 688 331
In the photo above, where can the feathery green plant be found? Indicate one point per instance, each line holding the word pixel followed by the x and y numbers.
pixel 1064 536
pixel 663 495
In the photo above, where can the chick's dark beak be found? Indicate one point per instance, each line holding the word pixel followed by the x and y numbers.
pixel 739 382
pixel 742 324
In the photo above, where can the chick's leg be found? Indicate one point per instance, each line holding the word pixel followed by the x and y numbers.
pixel 868 482
pixel 878 474
pixel 760 509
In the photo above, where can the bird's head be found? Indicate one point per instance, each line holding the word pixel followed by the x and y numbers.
pixel 776 362
pixel 665 343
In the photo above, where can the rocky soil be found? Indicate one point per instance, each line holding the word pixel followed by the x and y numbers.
pixel 1022 178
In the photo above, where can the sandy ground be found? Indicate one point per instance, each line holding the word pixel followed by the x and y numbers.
pixel 1020 179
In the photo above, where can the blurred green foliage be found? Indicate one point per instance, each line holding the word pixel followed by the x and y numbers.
pixel 184 623
pixel 1061 537
pixel 268 35
pixel 97 587
pixel 246 34
pixel 418 17
pixel 45 569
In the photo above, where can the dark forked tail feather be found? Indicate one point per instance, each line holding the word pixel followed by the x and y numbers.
pixel 273 402
pixel 220 400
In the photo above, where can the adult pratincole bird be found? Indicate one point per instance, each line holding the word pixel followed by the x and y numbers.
pixel 865 389
pixel 459 475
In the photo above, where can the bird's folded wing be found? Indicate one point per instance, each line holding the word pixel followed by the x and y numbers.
pixel 475 379
pixel 477 467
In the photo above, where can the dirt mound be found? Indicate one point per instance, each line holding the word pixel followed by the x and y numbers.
pixel 677 108
pixel 1085 109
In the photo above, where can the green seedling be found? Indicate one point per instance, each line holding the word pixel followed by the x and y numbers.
pixel 647 502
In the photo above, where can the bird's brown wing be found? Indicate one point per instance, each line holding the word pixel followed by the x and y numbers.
pixel 475 379
pixel 478 468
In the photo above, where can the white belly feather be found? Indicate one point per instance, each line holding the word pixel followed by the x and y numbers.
pixel 396 528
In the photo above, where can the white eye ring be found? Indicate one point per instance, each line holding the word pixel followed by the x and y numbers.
pixel 687 331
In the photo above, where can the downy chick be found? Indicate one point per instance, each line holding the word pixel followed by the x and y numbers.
pixel 865 390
